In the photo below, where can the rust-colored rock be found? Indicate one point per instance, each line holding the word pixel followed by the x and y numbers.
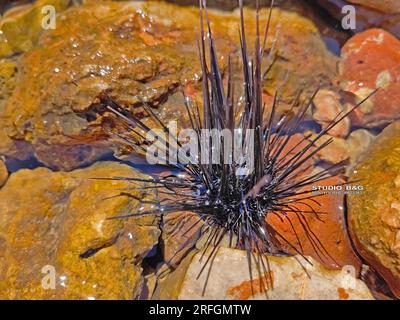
pixel 333 248
pixel 133 51
pixel 374 216
pixel 369 61
pixel 55 224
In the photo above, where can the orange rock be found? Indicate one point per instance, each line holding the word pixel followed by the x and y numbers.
pixel 328 228
pixel 3 173
pixel 57 243
pixel 371 60
pixel 374 215
pixel 249 288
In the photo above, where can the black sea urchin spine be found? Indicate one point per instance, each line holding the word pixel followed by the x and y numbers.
pixel 234 205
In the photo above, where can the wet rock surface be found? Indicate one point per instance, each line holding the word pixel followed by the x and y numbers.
pixel 389 6
pixel 50 84
pixel 22 25
pixel 327 242
pixel 374 216
pixel 327 106
pixel 370 61
pixel 3 173
pixel 180 232
pixel 367 16
pixel 129 50
pixel 358 142
pixel 57 226
pixel 229 279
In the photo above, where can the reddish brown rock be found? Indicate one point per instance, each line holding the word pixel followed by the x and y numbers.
pixel 333 248
pixel 370 60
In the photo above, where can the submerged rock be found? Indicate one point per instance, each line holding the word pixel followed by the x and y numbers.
pixel 367 16
pixel 133 51
pixel 336 152
pixel 374 216
pixel 358 142
pixel 389 6
pixel 180 232
pixel 369 61
pixel 21 27
pixel 286 279
pixel 56 241
pixel 327 107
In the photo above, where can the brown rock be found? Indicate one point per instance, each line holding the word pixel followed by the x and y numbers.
pixel 369 61
pixel 374 216
pixel 327 107
pixel 21 26
pixel 337 151
pixel 229 279
pixel 358 142
pixel 3 173
pixel 56 224
pixel 169 286
pixel 134 55
pixel 330 244
pixel 180 232
pixel 366 17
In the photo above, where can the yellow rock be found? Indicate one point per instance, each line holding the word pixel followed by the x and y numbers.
pixel 20 28
pixel 54 230
pixel 3 173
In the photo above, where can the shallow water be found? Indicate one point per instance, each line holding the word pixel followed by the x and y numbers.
pixel 50 103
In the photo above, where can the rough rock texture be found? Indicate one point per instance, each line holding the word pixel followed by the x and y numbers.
pixel 374 216
pixel 389 6
pixel 59 220
pixel 229 279
pixel 371 60
pixel 3 173
pixel 328 229
pixel 21 27
pixel 133 51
